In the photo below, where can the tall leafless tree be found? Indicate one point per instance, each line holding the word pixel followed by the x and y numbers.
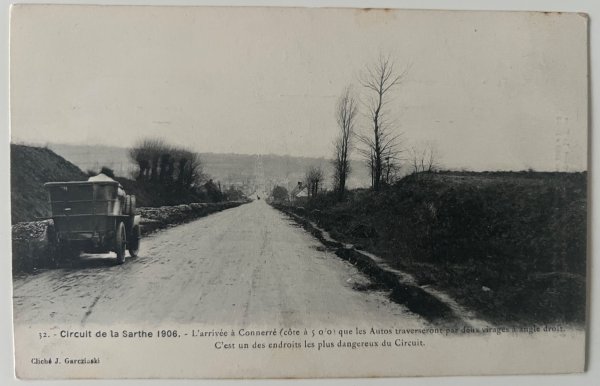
pixel 345 115
pixel 381 142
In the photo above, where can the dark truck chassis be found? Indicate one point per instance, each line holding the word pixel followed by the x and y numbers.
pixel 92 217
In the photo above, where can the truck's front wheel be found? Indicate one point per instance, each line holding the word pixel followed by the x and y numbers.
pixel 120 243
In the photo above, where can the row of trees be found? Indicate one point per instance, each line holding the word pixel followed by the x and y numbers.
pixel 314 180
pixel 158 161
pixel 379 141
pixel 170 175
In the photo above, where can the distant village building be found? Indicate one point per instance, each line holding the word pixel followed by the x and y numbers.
pixel 300 191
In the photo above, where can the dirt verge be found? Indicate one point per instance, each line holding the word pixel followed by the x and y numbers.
pixel 435 306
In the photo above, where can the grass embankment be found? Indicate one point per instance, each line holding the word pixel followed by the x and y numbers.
pixel 30 168
pixel 511 246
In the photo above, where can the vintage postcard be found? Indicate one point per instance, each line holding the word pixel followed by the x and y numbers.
pixel 254 192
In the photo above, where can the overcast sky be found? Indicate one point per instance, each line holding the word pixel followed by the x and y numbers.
pixel 491 90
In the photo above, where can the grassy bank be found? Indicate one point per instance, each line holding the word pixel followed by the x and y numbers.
pixel 511 246
pixel 30 168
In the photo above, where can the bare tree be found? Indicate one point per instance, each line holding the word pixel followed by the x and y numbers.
pixel 424 159
pixel 146 153
pixel 189 167
pixel 381 142
pixel 391 166
pixel 138 154
pixel 313 177
pixel 194 172
pixel 345 115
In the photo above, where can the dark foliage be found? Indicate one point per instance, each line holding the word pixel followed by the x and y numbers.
pixel 511 245
pixel 233 194
pixel 157 193
pixel 107 171
pixel 279 194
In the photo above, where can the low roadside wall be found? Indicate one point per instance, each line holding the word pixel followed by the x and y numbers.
pixel 31 249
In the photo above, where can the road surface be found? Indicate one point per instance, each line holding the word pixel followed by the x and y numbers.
pixel 246 265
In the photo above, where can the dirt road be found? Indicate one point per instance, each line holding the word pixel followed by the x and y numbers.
pixel 246 265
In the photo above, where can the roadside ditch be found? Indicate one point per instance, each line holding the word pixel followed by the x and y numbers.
pixel 435 306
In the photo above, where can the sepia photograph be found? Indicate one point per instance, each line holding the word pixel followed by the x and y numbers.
pixel 303 192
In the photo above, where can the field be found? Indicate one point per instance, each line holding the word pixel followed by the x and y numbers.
pixel 226 168
pixel 511 246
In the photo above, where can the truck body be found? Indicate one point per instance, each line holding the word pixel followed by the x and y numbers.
pixel 94 217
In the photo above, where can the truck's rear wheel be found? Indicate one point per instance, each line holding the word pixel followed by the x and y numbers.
pixel 120 243
pixel 52 248
pixel 133 244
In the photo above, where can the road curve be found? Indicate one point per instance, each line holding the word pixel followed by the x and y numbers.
pixel 246 265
